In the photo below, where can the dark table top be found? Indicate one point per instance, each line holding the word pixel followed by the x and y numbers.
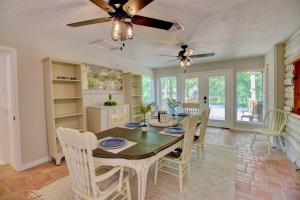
pixel 148 144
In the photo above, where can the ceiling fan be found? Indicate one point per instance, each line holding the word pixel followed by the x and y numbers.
pixel 185 56
pixel 123 15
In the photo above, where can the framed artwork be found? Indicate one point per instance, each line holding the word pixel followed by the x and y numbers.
pixel 101 79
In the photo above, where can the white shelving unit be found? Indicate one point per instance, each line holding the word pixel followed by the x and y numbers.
pixel 63 99
pixel 133 95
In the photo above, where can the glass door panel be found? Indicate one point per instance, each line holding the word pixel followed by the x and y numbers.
pixel 216 97
pixel 191 90
pixel 168 89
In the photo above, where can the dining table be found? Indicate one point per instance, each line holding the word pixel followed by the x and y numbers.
pixel 150 146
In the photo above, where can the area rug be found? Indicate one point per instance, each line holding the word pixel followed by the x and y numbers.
pixel 213 179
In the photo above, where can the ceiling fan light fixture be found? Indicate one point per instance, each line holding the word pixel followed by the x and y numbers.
pixel 117 25
pixel 129 30
pixel 182 64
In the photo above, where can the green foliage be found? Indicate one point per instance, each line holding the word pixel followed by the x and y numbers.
pixel 93 81
pixel 145 108
pixel 216 90
pixel 146 89
pixel 110 103
pixel 243 87
pixel 110 97
pixel 191 89
pixel 172 103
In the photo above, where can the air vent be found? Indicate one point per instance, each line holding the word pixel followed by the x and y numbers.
pixel 104 44
pixel 177 26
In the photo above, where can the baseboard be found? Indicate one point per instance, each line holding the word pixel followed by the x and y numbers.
pixel 35 163
pixel 242 129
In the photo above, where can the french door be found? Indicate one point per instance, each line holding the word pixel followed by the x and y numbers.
pixel 212 90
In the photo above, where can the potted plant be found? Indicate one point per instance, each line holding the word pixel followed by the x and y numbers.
pixel 110 102
pixel 144 109
pixel 173 104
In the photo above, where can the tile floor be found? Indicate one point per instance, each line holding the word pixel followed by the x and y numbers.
pixel 258 177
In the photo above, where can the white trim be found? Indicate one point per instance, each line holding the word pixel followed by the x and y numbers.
pixel 35 163
pixel 228 74
pixel 15 136
pixel 242 129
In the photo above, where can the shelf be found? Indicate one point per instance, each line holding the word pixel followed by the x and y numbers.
pixel 66 98
pixel 135 106
pixel 68 115
pixel 136 116
pixel 62 80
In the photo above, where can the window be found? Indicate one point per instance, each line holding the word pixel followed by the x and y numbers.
pixel 216 96
pixel 249 92
pixel 147 89
pixel 168 89
pixel 191 90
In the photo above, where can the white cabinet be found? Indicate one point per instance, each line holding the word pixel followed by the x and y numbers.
pixel 99 117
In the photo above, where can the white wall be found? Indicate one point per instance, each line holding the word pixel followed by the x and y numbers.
pixel 256 63
pixel 30 51
pixel 274 60
pixel 4 126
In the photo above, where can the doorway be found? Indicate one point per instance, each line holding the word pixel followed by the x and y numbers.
pixel 10 151
pixel 212 90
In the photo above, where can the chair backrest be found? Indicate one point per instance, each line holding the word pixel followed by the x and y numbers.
pixel 188 144
pixel 275 120
pixel 189 122
pixel 119 119
pixel 190 130
pixel 204 117
pixel 191 108
pixel 257 108
pixel 77 148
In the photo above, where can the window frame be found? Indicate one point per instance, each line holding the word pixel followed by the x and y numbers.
pixel 159 103
pixel 236 102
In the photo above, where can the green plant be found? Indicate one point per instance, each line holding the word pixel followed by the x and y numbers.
pixel 144 109
pixel 110 102
pixel 172 103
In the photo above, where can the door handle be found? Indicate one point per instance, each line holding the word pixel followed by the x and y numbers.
pixel 205 99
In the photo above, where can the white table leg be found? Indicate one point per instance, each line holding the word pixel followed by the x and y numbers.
pixel 142 167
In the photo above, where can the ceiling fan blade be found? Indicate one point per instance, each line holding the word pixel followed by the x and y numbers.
pixel 188 52
pixel 151 22
pixel 91 21
pixel 202 55
pixel 172 60
pixel 167 55
pixel 133 6
pixel 102 4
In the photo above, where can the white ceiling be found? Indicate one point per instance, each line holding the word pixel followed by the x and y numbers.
pixel 232 28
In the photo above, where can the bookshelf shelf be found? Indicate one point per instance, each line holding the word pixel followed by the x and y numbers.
pixel 64 106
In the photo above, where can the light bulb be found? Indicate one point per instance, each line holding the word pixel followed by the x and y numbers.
pixel 117 25
pixel 188 63
pixel 129 31
pixel 115 36
pixel 116 29
pixel 182 63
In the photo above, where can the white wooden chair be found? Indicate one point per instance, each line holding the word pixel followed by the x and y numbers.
pixel 119 119
pixel 199 139
pixel 274 122
pixel 191 108
pixel 181 159
pixel 87 182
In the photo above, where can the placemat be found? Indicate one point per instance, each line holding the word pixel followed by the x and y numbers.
pixel 115 151
pixel 174 135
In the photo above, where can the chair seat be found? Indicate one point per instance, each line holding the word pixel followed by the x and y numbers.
pixel 267 132
pixel 174 154
pixel 111 181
